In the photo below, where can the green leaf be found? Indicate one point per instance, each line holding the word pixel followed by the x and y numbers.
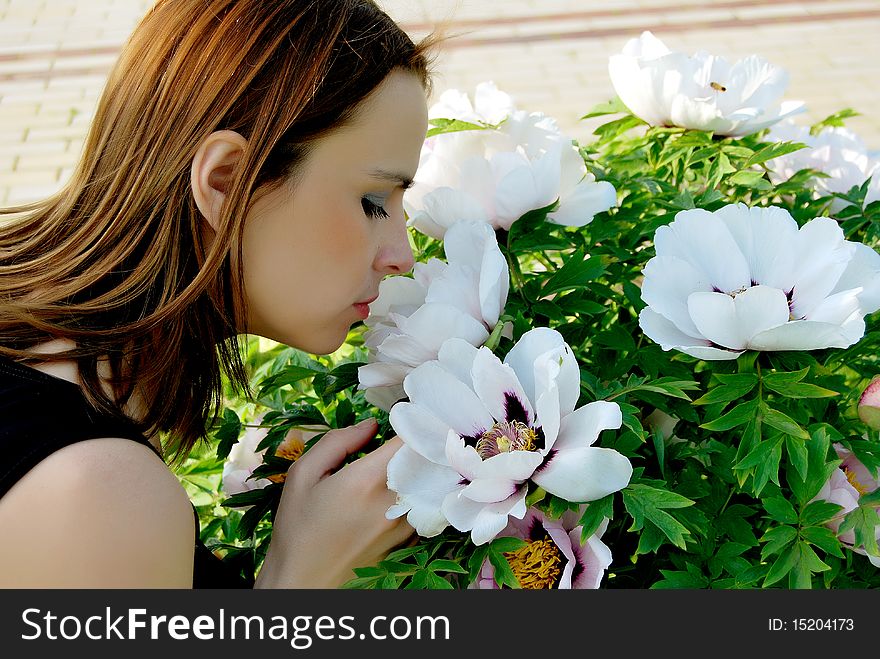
pixel 575 273
pixel 290 374
pixel 340 378
pixel 227 433
pixel 824 538
pixel 750 179
pixel 833 120
pixel 739 415
pixel 476 560
pixel 790 385
pixel 504 576
pixel 680 579
pixel 819 512
pixel 436 582
pixel 773 150
pixel 440 126
pixel 818 470
pixel 777 539
pixel 506 544
pixel 646 503
pixel 783 422
pixel 780 510
pixel 612 106
pixel 797 455
pixel 863 522
pixel 443 565
pixel 733 386
pixel 596 512
pixel 783 565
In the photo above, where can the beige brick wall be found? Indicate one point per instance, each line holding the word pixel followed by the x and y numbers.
pixel 551 55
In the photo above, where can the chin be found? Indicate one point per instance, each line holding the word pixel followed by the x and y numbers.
pixel 323 345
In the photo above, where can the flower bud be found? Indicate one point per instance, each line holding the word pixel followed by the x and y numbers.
pixel 869 404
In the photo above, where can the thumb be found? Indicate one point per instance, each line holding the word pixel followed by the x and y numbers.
pixel 329 452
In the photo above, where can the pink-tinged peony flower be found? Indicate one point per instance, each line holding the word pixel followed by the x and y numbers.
pixel 869 404
pixel 845 487
pixel 412 317
pixel 743 278
pixel 555 556
pixel 244 458
pixel 835 151
pixel 700 92
pixel 476 431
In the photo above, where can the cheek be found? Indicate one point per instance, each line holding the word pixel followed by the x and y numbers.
pixel 340 240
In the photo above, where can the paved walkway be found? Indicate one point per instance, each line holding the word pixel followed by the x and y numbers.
pixel 551 55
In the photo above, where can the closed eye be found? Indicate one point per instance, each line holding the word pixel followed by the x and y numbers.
pixel 372 209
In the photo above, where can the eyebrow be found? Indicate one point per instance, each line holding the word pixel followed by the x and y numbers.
pixel 402 179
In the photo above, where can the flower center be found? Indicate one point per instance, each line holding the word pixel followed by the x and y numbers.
pixel 291 449
pixel 504 437
pixel 851 477
pixel 537 565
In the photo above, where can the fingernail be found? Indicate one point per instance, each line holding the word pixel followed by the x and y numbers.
pixel 365 421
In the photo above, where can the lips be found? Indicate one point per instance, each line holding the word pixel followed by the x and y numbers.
pixel 370 301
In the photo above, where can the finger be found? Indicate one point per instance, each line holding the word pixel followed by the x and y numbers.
pixel 329 452
pixel 376 461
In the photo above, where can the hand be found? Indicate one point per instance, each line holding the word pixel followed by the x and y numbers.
pixel 331 519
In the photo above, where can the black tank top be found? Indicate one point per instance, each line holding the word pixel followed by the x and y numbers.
pixel 40 414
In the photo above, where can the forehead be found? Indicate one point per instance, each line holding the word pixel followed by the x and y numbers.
pixel 386 132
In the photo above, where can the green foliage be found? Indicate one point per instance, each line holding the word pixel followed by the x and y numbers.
pixel 730 498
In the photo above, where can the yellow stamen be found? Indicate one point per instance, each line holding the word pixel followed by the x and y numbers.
pixel 292 449
pixel 537 565
pixel 851 477
pixel 718 87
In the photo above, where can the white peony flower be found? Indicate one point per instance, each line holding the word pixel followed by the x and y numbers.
pixel 495 176
pixel 701 92
pixel 476 431
pixel 490 106
pixel 836 151
pixel 748 279
pixel 412 317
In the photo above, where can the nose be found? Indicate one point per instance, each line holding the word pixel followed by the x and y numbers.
pixel 395 255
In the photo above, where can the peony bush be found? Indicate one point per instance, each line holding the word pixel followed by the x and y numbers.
pixel 644 361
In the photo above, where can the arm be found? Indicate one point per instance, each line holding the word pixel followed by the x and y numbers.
pixel 101 513
pixel 331 520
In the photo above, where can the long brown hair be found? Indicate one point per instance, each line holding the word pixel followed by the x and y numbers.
pixel 116 261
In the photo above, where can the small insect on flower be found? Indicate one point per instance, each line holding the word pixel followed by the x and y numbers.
pixel 718 87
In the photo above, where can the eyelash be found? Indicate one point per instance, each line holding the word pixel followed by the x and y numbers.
pixel 372 209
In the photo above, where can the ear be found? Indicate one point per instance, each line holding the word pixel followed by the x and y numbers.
pixel 212 169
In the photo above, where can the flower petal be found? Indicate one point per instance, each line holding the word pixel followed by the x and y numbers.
pixel 662 331
pixel 485 521
pixel 584 474
pixel 514 465
pixel 732 321
pixel 583 426
pixel 448 399
pixel 421 486
pixel 498 387
pixel 546 343
pixel 863 271
pixel 668 282
pixel 822 257
pixel 421 431
pixel 703 240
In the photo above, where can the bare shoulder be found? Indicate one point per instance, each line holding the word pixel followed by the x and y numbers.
pixel 101 513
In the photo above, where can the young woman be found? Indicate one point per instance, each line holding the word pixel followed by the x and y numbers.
pixel 243 174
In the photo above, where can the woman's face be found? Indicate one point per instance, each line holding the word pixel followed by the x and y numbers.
pixel 316 249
